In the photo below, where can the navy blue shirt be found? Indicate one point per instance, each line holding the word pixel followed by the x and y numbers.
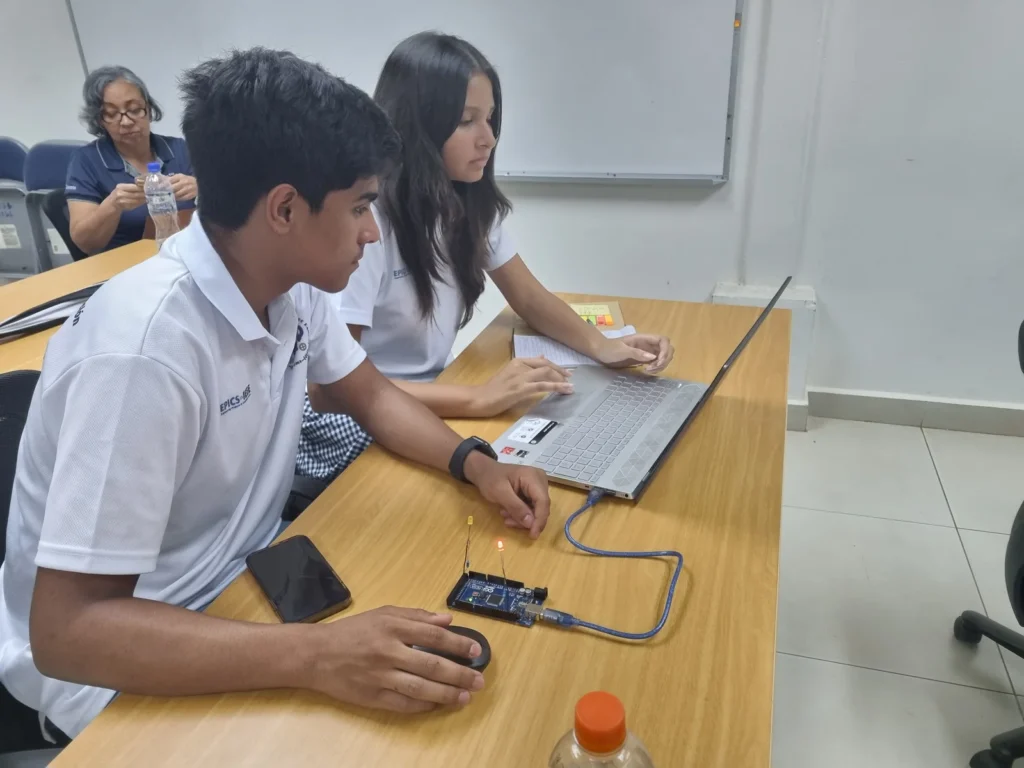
pixel 97 168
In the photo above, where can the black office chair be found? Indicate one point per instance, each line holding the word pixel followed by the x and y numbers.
pixel 303 493
pixel 971 626
pixel 16 390
pixel 55 206
pixel 19 725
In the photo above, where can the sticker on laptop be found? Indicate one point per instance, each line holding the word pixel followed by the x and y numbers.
pixel 531 430
pixel 508 449
pixel 522 453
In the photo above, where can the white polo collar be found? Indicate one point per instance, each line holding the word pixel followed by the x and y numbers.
pixel 208 270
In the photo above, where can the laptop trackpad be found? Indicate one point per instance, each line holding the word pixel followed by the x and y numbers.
pixel 558 407
pixel 590 384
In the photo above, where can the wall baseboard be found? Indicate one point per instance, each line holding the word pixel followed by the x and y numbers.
pixel 937 413
pixel 796 416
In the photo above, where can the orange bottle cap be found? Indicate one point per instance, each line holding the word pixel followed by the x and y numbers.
pixel 600 722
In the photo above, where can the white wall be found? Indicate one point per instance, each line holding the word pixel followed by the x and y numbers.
pixel 42 82
pixel 876 157
pixel 914 238
pixel 879 159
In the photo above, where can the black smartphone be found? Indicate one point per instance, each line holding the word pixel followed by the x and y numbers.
pixel 298 581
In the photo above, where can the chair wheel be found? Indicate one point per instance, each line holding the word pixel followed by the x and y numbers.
pixel 988 760
pixel 965 633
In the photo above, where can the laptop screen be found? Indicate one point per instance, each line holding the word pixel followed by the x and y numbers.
pixel 745 340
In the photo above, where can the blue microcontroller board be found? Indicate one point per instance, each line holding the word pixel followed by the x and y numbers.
pixel 496 597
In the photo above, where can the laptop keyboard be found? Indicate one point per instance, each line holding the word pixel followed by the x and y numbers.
pixel 640 461
pixel 583 450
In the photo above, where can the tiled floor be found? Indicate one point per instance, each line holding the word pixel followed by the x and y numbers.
pixel 888 533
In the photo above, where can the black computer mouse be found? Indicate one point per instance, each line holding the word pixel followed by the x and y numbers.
pixel 479 663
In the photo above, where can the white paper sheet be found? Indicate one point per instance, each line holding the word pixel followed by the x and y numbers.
pixel 41 318
pixel 557 353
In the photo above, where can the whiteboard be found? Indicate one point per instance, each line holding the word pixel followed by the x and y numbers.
pixel 591 88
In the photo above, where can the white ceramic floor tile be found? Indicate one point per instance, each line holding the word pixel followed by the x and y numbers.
pixel 844 717
pixel 881 594
pixel 982 476
pixel 878 470
pixel 985 552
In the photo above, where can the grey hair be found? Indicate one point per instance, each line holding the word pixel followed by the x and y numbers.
pixel 92 94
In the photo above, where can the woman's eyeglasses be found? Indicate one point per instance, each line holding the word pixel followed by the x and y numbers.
pixel 114 115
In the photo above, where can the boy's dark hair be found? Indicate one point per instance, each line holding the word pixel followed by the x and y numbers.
pixel 259 118
pixel 422 88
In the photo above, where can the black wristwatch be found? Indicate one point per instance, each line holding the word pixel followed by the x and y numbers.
pixel 458 461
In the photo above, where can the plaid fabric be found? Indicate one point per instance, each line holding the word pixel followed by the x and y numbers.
pixel 328 443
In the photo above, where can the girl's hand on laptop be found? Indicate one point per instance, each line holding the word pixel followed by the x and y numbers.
pixel 521 379
pixel 654 353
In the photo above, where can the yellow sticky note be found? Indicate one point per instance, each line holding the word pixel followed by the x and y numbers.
pixel 586 310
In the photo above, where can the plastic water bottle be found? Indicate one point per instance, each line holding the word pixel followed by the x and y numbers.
pixel 160 201
pixel 600 738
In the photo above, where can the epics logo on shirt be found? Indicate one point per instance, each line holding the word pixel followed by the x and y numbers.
pixel 237 401
pixel 398 274
pixel 300 353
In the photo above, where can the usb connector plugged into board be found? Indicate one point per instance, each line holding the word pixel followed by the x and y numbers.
pixel 540 613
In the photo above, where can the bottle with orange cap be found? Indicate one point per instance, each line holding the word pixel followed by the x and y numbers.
pixel 600 738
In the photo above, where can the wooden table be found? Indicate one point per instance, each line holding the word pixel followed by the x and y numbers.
pixel 26 352
pixel 699 694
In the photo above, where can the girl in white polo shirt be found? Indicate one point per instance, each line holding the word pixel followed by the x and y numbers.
pixel 440 216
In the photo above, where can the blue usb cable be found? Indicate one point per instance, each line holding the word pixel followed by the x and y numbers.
pixel 568 620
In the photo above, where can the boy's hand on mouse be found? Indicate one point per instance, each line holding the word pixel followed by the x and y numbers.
pixel 367 660
pixel 521 493
pixel 521 379
pixel 653 352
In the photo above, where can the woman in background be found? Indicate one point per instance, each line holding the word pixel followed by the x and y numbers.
pixel 441 220
pixel 106 203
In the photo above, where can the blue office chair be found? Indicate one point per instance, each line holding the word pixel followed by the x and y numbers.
pixel 21 743
pixel 46 171
pixel 46 166
pixel 19 253
pixel 12 159
pixel 55 206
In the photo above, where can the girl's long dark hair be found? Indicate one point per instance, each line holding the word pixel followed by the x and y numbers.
pixel 422 88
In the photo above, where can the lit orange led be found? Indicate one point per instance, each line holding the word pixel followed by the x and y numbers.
pixel 501 546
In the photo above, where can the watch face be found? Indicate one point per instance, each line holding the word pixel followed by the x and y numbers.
pixel 484 447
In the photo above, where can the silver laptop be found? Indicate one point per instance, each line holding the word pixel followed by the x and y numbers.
pixel 616 428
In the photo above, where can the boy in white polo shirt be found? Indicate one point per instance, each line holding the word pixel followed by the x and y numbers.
pixel 159 447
